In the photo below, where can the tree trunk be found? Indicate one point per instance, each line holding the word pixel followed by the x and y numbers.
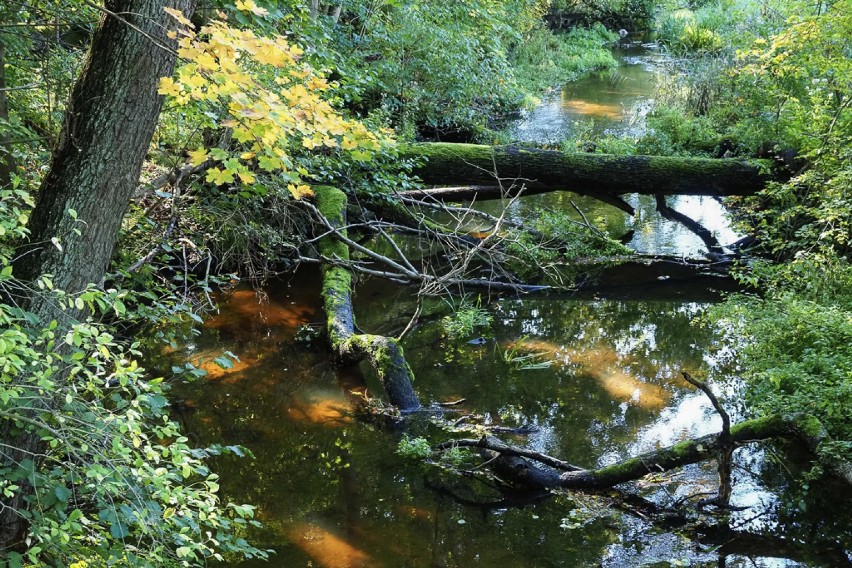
pixel 111 116
pixel 384 353
pixel 542 171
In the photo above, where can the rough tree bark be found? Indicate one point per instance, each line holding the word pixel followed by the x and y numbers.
pixel 589 174
pixel 111 116
pixel 384 353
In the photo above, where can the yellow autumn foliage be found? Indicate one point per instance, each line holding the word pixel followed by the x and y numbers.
pixel 230 70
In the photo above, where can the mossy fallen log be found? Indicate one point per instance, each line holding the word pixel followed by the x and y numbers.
pixel 514 465
pixel 384 353
pixel 541 171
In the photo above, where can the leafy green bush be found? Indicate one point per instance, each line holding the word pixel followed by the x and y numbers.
pixel 91 461
pixel 795 346
pixel 414 448
pixel 115 482
pixel 671 132
pixel 698 38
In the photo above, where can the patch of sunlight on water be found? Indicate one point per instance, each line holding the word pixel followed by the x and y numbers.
pixel 246 305
pixel 328 549
pixel 248 358
pixel 326 408
pixel 593 109
pixel 603 364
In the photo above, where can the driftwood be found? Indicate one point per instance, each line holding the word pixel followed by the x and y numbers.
pixel 597 175
pixel 384 353
pixel 513 464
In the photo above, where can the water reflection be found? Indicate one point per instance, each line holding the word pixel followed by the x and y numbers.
pixel 332 492
pixel 327 549
pixel 616 100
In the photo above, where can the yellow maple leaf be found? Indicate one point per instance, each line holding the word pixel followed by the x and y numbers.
pixel 348 143
pixel 273 56
pixel 300 191
pixel 220 177
pixel 195 81
pixel 168 87
pixel 207 62
pixel 198 157
pixel 177 15
pixel 250 6
pixel 246 177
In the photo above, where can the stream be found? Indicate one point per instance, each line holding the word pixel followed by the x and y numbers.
pixel 602 384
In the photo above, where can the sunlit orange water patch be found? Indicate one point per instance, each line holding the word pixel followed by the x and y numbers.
pixel 603 365
pixel 589 108
pixel 329 410
pixel 249 359
pixel 216 371
pixel 327 549
pixel 241 306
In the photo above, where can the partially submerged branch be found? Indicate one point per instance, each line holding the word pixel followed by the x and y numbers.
pixel 725 443
pixel 707 237
pixel 517 470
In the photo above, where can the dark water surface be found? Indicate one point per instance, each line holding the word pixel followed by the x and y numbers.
pixel 332 492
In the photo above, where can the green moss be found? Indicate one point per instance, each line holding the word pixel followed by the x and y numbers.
pixel 683 449
pixel 810 426
pixel 331 202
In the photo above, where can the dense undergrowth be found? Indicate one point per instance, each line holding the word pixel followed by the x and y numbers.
pixel 775 81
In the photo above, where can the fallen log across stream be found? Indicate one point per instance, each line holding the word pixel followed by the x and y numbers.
pixel 513 464
pixel 384 353
pixel 598 175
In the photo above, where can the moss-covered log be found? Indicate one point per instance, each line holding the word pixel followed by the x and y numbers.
pixel 384 353
pixel 604 175
pixel 512 463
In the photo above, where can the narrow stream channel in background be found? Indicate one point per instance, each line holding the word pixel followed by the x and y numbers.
pixel 332 492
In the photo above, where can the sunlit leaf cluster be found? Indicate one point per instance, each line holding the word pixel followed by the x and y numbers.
pixel 270 101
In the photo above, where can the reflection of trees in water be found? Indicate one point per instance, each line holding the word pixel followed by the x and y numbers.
pixel 614 367
pixel 332 491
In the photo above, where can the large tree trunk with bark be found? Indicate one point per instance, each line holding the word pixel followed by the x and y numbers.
pixel 384 353
pixel 111 116
pixel 540 171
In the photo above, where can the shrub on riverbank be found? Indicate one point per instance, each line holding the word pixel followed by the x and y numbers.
pixel 546 59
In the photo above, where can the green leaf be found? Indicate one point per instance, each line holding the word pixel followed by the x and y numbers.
pixel 62 493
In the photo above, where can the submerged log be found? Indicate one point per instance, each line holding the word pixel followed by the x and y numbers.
pixel 513 465
pixel 541 171
pixel 384 353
